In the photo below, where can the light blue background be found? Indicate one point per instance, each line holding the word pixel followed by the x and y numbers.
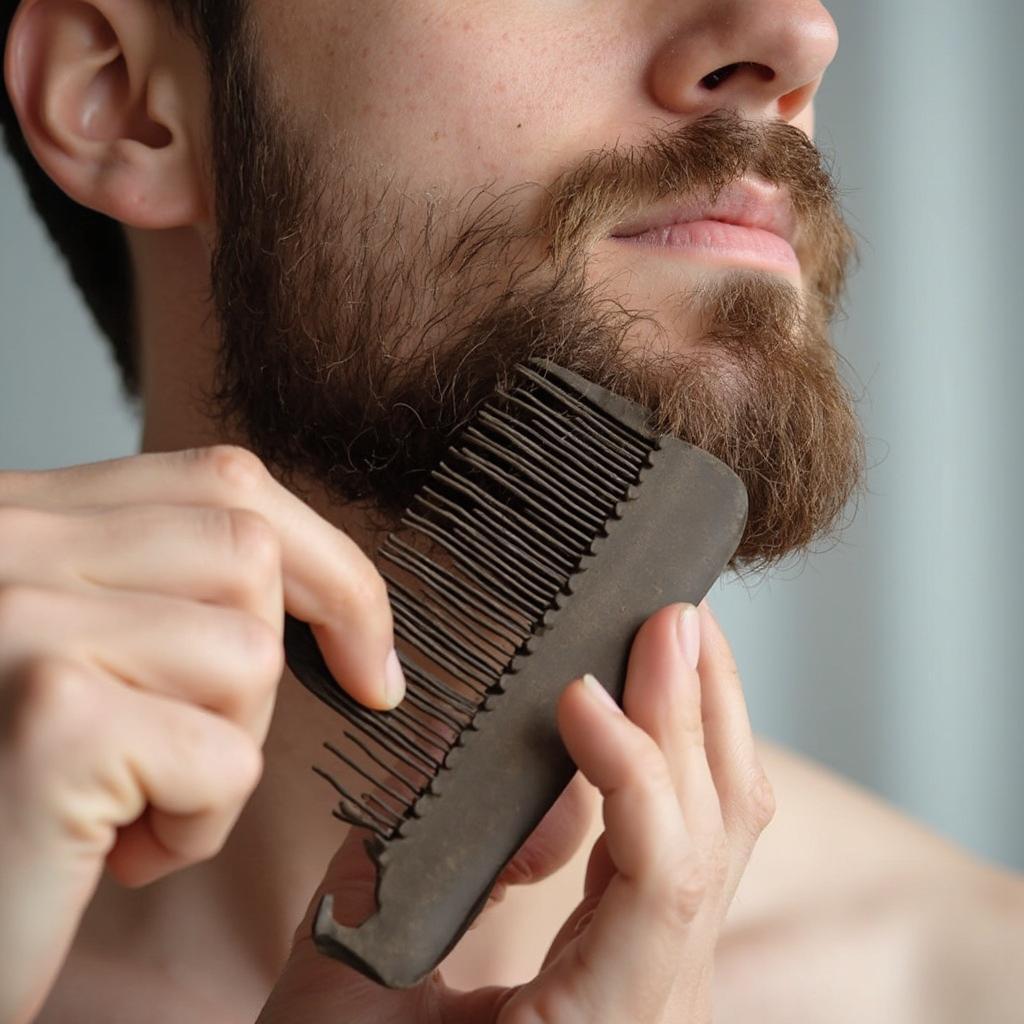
pixel 895 656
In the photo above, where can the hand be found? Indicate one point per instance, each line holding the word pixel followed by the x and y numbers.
pixel 141 617
pixel 685 799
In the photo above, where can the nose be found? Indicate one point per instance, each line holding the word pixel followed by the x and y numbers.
pixel 762 58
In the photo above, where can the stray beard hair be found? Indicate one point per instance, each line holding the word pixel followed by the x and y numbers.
pixel 361 329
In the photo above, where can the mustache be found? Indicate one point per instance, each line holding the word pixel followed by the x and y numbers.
pixel 361 326
pixel 701 159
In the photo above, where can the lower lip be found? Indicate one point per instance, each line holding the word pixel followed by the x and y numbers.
pixel 730 242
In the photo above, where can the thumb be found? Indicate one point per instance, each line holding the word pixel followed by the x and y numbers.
pixel 317 989
pixel 351 878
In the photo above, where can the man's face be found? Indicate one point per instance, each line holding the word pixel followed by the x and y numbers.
pixel 415 194
pixel 448 97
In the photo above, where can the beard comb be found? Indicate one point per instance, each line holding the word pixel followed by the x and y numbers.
pixel 554 526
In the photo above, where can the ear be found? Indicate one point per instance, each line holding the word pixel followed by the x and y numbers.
pixel 111 98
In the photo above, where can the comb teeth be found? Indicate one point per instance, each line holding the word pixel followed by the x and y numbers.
pixel 476 562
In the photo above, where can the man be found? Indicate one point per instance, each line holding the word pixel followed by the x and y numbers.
pixel 323 231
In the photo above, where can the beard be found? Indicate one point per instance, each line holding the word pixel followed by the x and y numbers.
pixel 361 328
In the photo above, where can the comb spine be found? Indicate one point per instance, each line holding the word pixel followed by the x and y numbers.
pixel 429 884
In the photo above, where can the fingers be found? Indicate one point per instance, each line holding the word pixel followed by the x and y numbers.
pixel 663 697
pixel 99 752
pixel 192 807
pixel 625 764
pixel 745 794
pixel 230 662
pixel 226 556
pixel 681 817
pixel 327 580
pixel 312 987
pixel 628 952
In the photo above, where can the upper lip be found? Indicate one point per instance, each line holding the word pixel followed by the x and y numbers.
pixel 747 203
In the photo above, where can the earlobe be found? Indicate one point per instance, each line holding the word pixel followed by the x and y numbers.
pixel 99 87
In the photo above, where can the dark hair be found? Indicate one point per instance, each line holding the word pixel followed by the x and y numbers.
pixel 94 245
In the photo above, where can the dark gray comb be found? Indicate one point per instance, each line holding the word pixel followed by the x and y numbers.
pixel 555 525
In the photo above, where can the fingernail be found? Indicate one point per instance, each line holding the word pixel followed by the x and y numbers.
pixel 689 635
pixel 599 693
pixel 394 680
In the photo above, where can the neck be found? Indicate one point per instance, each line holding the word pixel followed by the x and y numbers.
pixel 240 909
pixel 253 894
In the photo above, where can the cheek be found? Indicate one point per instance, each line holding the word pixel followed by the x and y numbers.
pixel 457 99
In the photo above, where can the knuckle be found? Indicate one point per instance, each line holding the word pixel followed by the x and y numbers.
pixel 253 540
pixel 233 760
pixel 206 848
pixel 757 802
pixel 647 775
pixel 690 722
pixel 215 529
pixel 250 551
pixel 648 771
pixel 367 591
pixel 55 703
pixel 374 589
pixel 687 889
pixel 205 844
pixel 235 470
pixel 263 648
pixel 249 768
pixel 239 776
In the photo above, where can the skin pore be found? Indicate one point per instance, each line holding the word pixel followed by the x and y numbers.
pixel 410 106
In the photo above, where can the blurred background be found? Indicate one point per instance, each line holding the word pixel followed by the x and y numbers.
pixel 894 657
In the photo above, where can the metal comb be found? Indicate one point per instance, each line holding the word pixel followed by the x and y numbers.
pixel 554 526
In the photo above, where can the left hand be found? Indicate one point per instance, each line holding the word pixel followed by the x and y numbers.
pixel 685 799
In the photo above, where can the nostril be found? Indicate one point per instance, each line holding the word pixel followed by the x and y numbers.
pixel 723 74
pixel 716 78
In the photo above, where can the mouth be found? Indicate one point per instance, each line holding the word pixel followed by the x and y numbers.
pixel 750 222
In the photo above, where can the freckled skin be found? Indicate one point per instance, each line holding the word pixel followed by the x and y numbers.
pixel 449 98
pixel 509 64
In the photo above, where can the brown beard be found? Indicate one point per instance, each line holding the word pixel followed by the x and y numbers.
pixel 360 330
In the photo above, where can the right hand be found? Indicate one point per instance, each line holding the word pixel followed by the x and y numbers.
pixel 685 800
pixel 141 618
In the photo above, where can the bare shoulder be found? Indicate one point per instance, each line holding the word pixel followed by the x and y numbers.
pixel 851 911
